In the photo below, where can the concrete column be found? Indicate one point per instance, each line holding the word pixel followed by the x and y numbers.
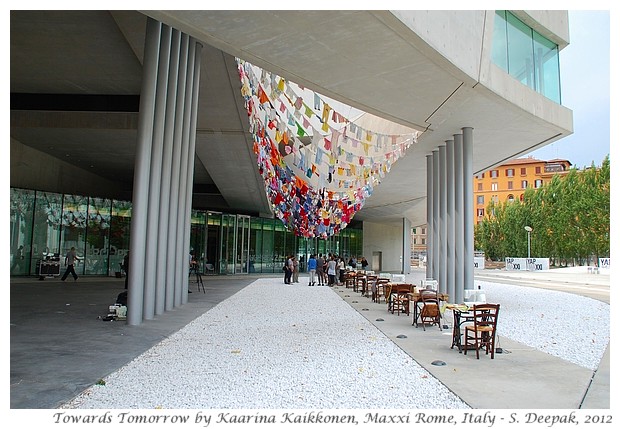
pixel 156 173
pixel 459 223
pixel 450 239
pixel 468 206
pixel 429 215
pixel 435 258
pixel 142 174
pixel 185 206
pixel 174 270
pixel 192 140
pixel 164 289
pixel 443 221
pixel 406 265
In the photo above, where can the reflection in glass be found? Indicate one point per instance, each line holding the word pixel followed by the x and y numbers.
pixel 526 55
pixel 98 236
pixel 198 237
pixel 120 227
pixel 74 215
pixel 22 211
pixel 256 240
pixel 46 227
pixel 99 229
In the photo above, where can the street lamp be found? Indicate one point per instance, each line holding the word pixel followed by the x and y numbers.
pixel 529 231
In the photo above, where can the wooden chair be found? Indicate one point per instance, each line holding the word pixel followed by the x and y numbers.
pixel 430 311
pixel 349 279
pixel 380 290
pixel 482 332
pixel 400 298
pixel 360 283
pixel 371 288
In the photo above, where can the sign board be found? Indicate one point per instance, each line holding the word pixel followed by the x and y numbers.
pixel 604 263
pixel 527 264
pixel 479 262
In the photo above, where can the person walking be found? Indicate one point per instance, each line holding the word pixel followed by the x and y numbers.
pixel 70 261
pixel 331 271
pixel 320 264
pixel 311 270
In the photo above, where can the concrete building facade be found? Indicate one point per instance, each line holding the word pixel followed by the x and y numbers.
pixel 90 107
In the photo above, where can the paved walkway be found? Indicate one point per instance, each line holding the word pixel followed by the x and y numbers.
pixel 59 347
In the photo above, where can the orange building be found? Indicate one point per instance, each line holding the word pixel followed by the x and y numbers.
pixel 506 182
pixel 509 181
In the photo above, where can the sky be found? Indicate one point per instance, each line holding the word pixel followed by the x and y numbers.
pixel 585 86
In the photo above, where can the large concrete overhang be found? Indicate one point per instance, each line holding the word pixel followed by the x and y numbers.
pixel 371 60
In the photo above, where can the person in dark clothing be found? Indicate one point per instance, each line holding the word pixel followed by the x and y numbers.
pixel 288 273
pixel 126 268
pixel 70 261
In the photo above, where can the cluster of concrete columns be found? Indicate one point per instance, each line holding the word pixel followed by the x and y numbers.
pixel 163 175
pixel 450 229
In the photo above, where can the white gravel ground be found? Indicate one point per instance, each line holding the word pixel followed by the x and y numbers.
pixel 275 346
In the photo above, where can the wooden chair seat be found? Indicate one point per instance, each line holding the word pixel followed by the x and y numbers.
pixel 483 331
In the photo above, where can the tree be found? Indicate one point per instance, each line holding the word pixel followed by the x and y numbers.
pixel 569 216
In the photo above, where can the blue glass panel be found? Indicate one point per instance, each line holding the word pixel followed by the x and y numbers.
pixel 520 51
pixel 499 53
pixel 547 67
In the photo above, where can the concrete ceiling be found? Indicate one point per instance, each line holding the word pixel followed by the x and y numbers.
pixel 367 59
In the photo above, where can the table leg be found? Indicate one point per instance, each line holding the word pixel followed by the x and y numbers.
pixel 456 331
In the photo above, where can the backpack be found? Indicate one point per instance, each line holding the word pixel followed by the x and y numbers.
pixel 122 298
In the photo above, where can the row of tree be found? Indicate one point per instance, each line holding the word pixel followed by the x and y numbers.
pixel 569 217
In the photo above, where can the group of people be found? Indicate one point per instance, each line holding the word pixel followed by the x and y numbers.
pixel 327 270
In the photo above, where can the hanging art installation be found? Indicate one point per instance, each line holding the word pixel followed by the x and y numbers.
pixel 318 166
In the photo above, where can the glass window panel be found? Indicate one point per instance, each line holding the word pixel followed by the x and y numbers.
pixel 256 243
pixel 499 53
pixel 227 260
pixel 22 213
pixel 120 227
pixel 98 236
pixel 197 237
pixel 74 217
pixel 279 247
pixel 46 227
pixel 213 253
pixel 547 67
pixel 270 263
pixel 520 51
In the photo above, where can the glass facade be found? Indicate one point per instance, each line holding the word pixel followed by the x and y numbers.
pixel 46 225
pixel 526 55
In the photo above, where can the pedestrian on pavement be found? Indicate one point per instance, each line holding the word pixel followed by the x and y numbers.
pixel 295 269
pixel 311 270
pixel 320 264
pixel 70 261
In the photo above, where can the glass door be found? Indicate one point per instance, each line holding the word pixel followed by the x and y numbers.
pixel 213 242
pixel 227 259
pixel 243 245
